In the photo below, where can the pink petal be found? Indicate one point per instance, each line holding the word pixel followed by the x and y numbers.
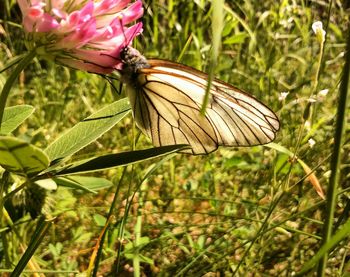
pixel 132 32
pixel 103 59
pixel 119 40
pixel 82 35
pixel 46 23
pixel 114 29
pixel 76 18
pixel 73 18
pixel 132 13
pixel 110 6
pixel 109 45
pixel 128 15
pixel 34 12
pixel 93 61
pixel 38 21
pixel 86 12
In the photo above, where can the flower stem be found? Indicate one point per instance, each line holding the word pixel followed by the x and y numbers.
pixel 137 232
pixel 335 160
pixel 319 65
pixel 13 76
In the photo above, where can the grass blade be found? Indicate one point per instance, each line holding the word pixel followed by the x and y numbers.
pixel 42 227
pixel 335 160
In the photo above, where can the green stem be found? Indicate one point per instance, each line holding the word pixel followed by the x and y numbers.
pixel 13 76
pixel 335 160
pixel 320 67
pixel 138 228
pixel 318 70
pixel 110 214
pixel 217 27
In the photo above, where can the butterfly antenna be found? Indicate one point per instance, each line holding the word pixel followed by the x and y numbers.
pixel 122 27
pixel 127 42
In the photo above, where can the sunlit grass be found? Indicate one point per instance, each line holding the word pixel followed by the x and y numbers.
pixel 241 210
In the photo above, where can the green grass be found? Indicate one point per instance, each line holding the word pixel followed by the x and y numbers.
pixel 248 211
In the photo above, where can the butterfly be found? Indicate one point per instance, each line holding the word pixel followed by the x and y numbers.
pixel 166 99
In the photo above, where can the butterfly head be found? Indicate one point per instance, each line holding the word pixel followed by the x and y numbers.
pixel 133 59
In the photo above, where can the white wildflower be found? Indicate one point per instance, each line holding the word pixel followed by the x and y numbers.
pixel 311 142
pixel 317 27
pixel 283 95
pixel 321 95
pixel 323 92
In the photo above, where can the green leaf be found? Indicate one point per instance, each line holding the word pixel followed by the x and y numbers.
pixel 22 158
pixel 48 184
pixel 119 159
pixel 132 253
pixel 236 39
pixel 145 259
pixel 14 116
pixel 88 130
pixel 100 220
pixel 86 183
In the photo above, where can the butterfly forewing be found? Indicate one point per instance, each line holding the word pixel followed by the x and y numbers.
pixel 166 99
pixel 249 103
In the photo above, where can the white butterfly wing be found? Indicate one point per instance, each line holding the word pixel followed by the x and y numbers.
pixel 166 100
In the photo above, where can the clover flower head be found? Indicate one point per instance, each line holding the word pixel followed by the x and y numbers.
pixel 83 34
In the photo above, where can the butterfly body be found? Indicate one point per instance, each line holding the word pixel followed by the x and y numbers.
pixel 166 100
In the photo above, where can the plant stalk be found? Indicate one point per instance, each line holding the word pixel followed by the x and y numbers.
pixel 336 154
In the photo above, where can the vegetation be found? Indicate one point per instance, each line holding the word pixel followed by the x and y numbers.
pixel 247 211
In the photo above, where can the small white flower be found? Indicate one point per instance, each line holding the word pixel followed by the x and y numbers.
pixel 287 23
pixel 321 95
pixel 311 142
pixel 317 27
pixel 283 95
pixel 323 92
